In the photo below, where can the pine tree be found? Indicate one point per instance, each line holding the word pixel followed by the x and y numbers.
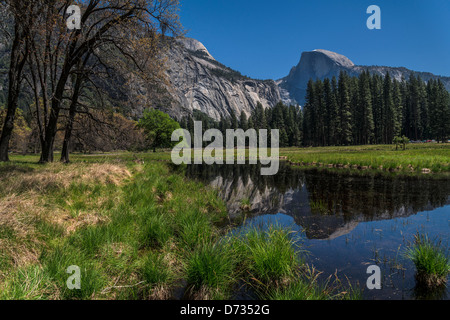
pixel 190 125
pixel 404 92
pixel 355 117
pixel 388 114
pixel 233 121
pixel 335 125
pixel 243 122
pixel 377 107
pixel 345 115
pixel 413 113
pixel 259 117
pixel 290 118
pixel 398 108
pixel 327 97
pixel 308 119
pixel 318 114
pixel 224 125
pixel 299 125
pixel 423 109
pixel 284 138
pixel 277 121
pixel 184 122
pixel 365 111
pixel 440 112
pixel 251 123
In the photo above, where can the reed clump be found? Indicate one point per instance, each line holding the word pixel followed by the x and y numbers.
pixel 431 261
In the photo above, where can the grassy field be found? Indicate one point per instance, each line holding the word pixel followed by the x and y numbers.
pixel 137 230
pixel 417 158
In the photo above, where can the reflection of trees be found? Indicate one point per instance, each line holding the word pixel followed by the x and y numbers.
pixel 376 197
pixel 348 196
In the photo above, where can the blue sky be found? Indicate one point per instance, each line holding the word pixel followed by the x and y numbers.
pixel 264 39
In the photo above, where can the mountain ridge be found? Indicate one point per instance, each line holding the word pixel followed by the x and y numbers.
pixel 199 82
pixel 320 64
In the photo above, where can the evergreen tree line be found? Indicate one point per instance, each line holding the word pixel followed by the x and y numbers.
pixel 369 109
pixel 288 119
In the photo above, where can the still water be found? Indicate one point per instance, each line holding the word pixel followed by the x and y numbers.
pixel 346 222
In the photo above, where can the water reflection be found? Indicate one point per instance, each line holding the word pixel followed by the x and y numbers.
pixel 325 205
pixel 347 221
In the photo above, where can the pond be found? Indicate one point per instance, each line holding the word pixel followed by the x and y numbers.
pixel 346 222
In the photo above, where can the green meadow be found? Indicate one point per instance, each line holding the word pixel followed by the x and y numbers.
pixel 137 229
pixel 416 159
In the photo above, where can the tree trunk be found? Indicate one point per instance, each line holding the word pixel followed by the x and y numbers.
pixel 69 127
pixel 50 132
pixel 52 126
pixel 47 152
pixel 7 133
pixel 72 113
pixel 66 143
pixel 18 58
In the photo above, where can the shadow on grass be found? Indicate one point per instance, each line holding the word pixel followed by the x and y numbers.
pixel 20 167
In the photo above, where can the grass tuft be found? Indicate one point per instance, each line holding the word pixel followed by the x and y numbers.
pixel 431 261
pixel 272 255
pixel 211 269
pixel 155 270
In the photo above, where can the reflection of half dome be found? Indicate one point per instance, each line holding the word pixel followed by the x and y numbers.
pixel 348 200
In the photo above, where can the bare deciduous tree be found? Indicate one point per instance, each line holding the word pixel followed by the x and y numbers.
pixel 23 15
pixel 62 64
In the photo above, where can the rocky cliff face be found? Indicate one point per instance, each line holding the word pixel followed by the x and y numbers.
pixel 199 82
pixel 321 64
pixel 317 64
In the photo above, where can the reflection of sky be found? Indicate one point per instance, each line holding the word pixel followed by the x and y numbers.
pixel 357 221
pixel 377 242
